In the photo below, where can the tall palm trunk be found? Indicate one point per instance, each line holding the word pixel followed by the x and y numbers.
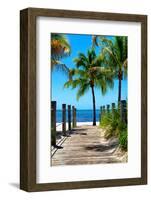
pixel 94 108
pixel 119 85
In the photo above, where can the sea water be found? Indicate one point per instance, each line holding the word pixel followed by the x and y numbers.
pixel 81 115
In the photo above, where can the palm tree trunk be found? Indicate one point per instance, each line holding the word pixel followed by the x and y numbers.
pixel 94 108
pixel 119 85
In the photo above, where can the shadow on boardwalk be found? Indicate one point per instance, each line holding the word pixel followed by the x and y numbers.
pixel 86 145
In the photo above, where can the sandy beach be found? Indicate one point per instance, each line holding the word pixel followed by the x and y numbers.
pixel 59 125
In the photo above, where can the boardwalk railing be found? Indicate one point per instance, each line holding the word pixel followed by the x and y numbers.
pixel 66 118
pixel 122 107
pixel 53 123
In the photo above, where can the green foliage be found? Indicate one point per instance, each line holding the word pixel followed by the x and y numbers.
pixel 123 140
pixel 115 51
pixel 114 127
pixel 60 48
pixel 110 119
pixel 106 120
pixel 91 71
pixel 121 126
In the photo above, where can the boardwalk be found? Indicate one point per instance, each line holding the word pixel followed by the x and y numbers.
pixel 86 145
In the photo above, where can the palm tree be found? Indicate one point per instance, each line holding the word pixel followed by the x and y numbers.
pixel 117 55
pixel 90 72
pixel 60 48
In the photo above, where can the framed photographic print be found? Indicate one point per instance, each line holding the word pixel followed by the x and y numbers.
pixel 83 92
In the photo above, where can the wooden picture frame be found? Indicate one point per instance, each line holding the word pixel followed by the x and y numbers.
pixel 28 98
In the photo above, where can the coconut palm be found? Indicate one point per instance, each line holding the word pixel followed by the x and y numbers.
pixel 117 55
pixel 60 48
pixel 90 72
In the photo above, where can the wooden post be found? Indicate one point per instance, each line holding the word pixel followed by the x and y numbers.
pixel 108 108
pixel 123 111
pixel 100 112
pixel 113 110
pixel 103 109
pixel 64 119
pixel 53 123
pixel 69 117
pixel 73 116
pixel 113 107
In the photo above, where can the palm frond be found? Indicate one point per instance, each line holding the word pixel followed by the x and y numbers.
pixel 59 66
pixel 101 84
pixel 81 61
pixel 61 39
pixel 68 84
pixel 83 88
pixel 60 48
pixel 91 71
pixel 91 55
pixel 116 49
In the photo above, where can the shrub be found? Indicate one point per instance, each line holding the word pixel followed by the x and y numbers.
pixel 120 127
pixel 106 120
pixel 114 124
pixel 115 127
pixel 108 132
pixel 123 140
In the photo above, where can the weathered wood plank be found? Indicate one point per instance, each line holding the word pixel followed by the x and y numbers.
pixel 86 145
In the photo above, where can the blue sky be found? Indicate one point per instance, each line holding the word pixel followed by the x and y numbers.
pixel 81 43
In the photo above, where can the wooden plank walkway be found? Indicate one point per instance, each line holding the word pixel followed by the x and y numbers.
pixel 86 145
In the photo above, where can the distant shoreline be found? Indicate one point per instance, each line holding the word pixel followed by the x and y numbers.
pixel 59 125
